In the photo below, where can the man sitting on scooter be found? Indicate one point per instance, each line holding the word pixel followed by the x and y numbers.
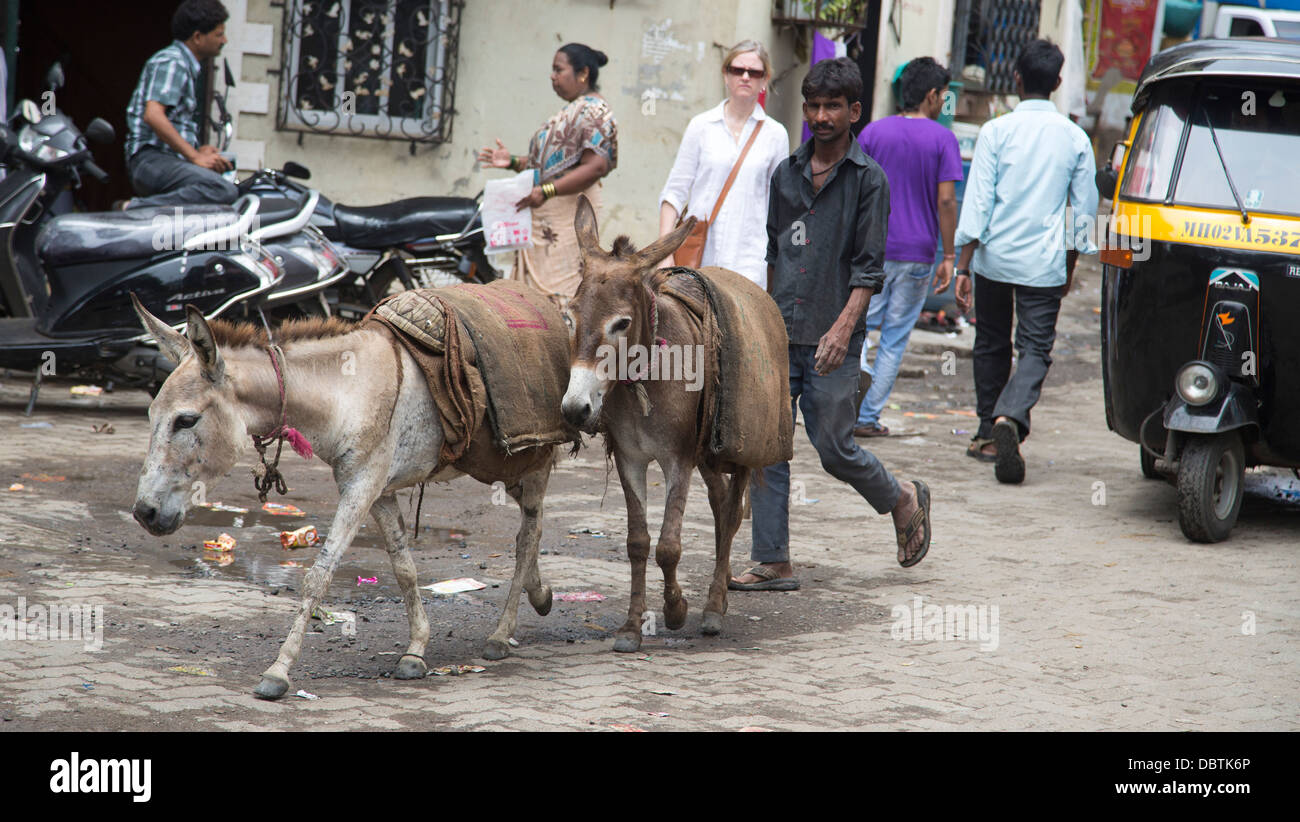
pixel 162 119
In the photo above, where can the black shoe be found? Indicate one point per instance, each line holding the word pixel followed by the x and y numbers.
pixel 1010 467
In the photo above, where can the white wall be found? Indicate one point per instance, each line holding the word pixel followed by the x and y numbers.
pixel 671 48
pixel 925 29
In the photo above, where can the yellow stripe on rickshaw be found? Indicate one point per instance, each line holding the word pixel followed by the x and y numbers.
pixel 1208 227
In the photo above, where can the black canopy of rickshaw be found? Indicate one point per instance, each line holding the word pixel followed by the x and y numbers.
pixel 1230 56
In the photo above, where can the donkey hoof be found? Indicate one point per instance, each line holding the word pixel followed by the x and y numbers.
pixel 675 614
pixel 711 624
pixel 270 688
pixel 542 601
pixel 410 667
pixel 496 649
pixel 627 643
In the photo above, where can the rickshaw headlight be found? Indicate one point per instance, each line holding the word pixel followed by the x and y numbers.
pixel 1197 383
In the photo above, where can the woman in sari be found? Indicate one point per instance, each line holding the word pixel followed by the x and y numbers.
pixel 569 155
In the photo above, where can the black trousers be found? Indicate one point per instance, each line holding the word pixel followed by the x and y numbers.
pixel 161 178
pixel 998 392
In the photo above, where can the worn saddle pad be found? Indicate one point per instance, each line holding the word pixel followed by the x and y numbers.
pixel 514 340
pixel 751 423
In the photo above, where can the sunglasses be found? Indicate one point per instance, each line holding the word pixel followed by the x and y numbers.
pixel 737 71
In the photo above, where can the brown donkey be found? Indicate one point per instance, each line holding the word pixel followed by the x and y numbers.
pixel 646 414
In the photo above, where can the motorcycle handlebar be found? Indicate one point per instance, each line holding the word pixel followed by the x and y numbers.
pixel 95 171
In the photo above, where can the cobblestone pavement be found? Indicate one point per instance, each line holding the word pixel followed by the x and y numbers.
pixel 1106 618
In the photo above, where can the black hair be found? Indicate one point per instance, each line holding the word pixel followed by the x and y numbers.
pixel 1040 67
pixel 918 77
pixel 834 78
pixel 584 57
pixel 197 15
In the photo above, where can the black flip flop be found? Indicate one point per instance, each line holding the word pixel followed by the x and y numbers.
pixel 976 450
pixel 920 519
pixel 1010 466
pixel 770 581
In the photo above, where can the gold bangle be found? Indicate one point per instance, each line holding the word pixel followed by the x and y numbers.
pixel 548 190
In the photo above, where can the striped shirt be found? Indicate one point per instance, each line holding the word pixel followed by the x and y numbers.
pixel 170 77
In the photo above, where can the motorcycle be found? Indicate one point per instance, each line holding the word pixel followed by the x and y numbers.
pixel 420 242
pixel 66 279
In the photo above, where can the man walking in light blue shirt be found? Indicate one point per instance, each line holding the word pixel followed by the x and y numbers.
pixel 1028 166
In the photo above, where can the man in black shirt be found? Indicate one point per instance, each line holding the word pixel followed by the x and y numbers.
pixel 828 212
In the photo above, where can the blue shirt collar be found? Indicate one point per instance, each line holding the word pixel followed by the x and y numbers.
pixel 1035 105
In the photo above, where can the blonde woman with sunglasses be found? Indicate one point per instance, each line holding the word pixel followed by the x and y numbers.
pixel 710 148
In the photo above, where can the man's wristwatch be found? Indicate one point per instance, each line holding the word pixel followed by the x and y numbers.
pixel 962 272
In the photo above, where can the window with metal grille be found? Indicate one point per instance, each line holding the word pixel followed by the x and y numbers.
pixel 370 68
pixel 997 32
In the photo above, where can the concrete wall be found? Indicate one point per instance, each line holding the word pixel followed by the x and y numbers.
pixel 668 49
pixel 924 30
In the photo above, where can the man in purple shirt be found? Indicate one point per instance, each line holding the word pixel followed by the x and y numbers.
pixel 922 161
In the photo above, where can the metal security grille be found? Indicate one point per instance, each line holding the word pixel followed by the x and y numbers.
pixel 1005 27
pixel 370 68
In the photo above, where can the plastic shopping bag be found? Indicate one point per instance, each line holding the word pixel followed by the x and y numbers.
pixel 504 227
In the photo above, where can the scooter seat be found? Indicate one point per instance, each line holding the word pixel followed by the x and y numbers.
pixel 404 221
pixel 117 235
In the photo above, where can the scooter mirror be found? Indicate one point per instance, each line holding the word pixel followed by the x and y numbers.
pixel 54 78
pixel 230 78
pixel 292 169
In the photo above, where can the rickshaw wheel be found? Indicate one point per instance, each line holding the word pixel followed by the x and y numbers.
pixel 1211 478
pixel 1148 464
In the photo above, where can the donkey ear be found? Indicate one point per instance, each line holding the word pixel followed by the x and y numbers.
pixel 204 344
pixel 665 245
pixel 170 341
pixel 584 225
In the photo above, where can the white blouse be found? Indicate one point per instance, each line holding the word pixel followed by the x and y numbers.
pixel 738 239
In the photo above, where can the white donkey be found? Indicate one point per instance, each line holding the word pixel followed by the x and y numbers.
pixel 342 387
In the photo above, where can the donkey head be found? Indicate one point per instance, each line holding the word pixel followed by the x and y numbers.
pixel 612 306
pixel 195 428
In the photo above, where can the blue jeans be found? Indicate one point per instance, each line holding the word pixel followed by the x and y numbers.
pixel 827 406
pixel 894 311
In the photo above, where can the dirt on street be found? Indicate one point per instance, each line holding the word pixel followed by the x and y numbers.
pixel 1106 617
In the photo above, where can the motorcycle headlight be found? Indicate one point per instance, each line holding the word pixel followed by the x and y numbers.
pixel 38 145
pixel 49 153
pixel 29 139
pixel 1197 383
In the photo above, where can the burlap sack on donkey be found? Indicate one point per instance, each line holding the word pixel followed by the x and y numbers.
pixel 500 349
pixel 749 403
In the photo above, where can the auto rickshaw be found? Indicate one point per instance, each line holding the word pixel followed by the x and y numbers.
pixel 1200 331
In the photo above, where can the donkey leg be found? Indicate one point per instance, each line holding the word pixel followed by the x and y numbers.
pixel 411 665
pixel 632 473
pixel 528 493
pixel 539 595
pixel 353 505
pixel 668 552
pixel 727 499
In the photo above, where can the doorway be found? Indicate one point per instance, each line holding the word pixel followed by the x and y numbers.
pixel 102 47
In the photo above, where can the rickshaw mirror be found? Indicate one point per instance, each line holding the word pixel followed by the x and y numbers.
pixel 1106 180
pixel 1117 154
